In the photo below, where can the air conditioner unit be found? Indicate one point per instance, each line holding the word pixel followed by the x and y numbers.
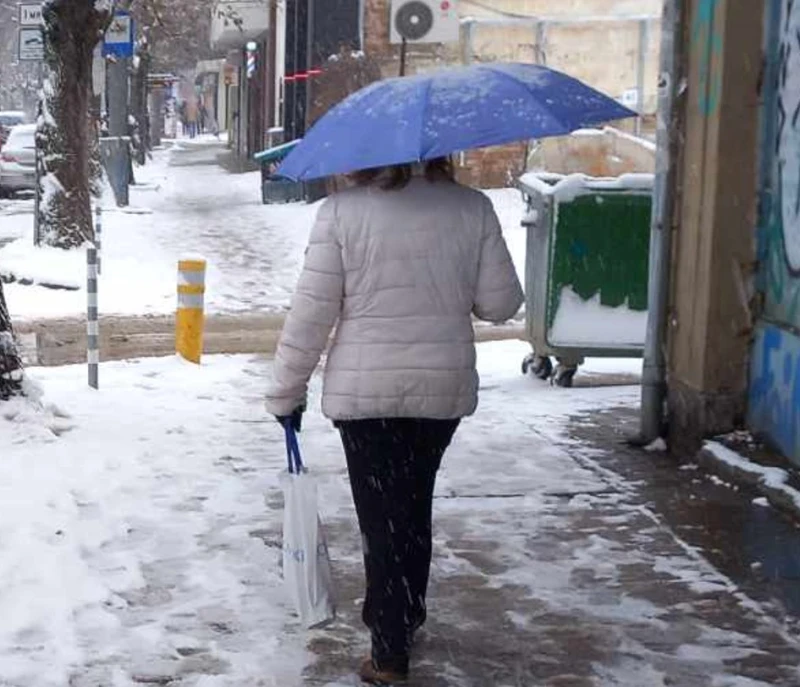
pixel 425 21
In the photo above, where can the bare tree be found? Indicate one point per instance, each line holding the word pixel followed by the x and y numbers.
pixel 10 363
pixel 72 29
pixel 173 35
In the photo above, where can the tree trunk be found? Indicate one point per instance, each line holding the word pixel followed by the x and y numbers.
pixel 72 30
pixel 139 105
pixel 10 363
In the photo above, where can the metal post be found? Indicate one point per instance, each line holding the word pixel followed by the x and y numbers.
pixel 640 72
pixel 654 371
pixel 92 324
pixel 403 53
pixel 309 65
pixel 541 37
pixel 117 150
pixel 37 198
pixel 468 37
pixel 98 237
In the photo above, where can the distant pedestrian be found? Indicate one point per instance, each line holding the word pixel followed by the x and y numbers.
pixel 182 117
pixel 203 118
pixel 191 117
pixel 398 265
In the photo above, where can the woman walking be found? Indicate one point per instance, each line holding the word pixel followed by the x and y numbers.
pixel 399 265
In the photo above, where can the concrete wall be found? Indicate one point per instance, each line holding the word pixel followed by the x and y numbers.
pixel 714 250
pixel 552 8
pixel 774 402
pixel 607 153
pixel 603 54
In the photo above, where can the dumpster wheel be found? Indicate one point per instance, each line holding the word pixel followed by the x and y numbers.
pixel 564 376
pixel 538 365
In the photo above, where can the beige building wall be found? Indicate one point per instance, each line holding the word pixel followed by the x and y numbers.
pixel 602 53
pixel 552 8
pixel 599 51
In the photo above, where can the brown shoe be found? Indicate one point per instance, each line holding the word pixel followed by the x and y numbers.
pixel 372 675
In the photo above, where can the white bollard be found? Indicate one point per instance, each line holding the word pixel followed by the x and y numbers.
pixel 98 237
pixel 92 324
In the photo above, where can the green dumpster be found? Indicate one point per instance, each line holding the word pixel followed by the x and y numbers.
pixel 586 272
pixel 275 188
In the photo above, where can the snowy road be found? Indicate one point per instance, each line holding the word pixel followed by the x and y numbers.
pixel 141 545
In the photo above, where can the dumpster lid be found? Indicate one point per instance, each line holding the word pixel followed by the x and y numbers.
pixel 276 153
pixel 566 188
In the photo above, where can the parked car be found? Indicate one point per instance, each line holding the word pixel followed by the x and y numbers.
pixel 8 120
pixel 18 160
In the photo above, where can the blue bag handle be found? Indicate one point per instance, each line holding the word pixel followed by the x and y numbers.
pixel 293 456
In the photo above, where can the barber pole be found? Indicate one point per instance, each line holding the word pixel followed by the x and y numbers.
pixel 92 324
pixel 252 51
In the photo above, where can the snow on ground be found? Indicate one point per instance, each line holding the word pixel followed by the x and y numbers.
pixel 775 480
pixel 16 219
pixel 184 204
pixel 129 516
pixel 140 526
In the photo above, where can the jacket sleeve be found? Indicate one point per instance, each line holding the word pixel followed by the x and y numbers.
pixel 498 296
pixel 316 306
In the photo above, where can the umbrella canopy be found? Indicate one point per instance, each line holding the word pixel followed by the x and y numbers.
pixel 423 117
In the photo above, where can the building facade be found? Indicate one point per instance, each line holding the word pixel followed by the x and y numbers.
pixel 245 74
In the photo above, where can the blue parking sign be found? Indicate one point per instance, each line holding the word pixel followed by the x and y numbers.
pixel 118 41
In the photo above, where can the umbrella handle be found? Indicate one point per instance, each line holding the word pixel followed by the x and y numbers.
pixel 293 456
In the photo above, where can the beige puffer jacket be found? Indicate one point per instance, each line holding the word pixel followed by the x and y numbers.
pixel 399 273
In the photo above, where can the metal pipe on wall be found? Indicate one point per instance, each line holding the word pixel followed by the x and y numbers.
pixel 644 39
pixel 541 39
pixel 654 388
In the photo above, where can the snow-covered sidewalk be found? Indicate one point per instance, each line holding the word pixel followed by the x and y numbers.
pixel 140 528
pixel 184 204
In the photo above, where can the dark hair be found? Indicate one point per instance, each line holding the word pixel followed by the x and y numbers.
pixel 396 177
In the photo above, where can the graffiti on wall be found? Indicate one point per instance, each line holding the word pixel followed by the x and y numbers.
pixel 774 404
pixel 779 249
pixel 775 387
pixel 789 133
pixel 707 36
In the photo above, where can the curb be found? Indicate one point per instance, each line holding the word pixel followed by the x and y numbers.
pixel 51 343
pixel 770 482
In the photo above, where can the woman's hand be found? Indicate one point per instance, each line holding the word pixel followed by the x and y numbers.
pixel 295 420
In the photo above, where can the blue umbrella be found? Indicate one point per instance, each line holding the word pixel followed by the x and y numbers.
pixel 431 115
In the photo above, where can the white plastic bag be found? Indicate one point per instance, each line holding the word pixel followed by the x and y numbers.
pixel 306 564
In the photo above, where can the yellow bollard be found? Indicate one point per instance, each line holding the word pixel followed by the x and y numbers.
pixel 190 317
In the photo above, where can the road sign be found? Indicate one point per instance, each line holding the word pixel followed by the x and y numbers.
pixel 31 44
pixel 119 37
pixel 30 14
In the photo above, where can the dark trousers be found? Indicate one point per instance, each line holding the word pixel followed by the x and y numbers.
pixel 393 466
